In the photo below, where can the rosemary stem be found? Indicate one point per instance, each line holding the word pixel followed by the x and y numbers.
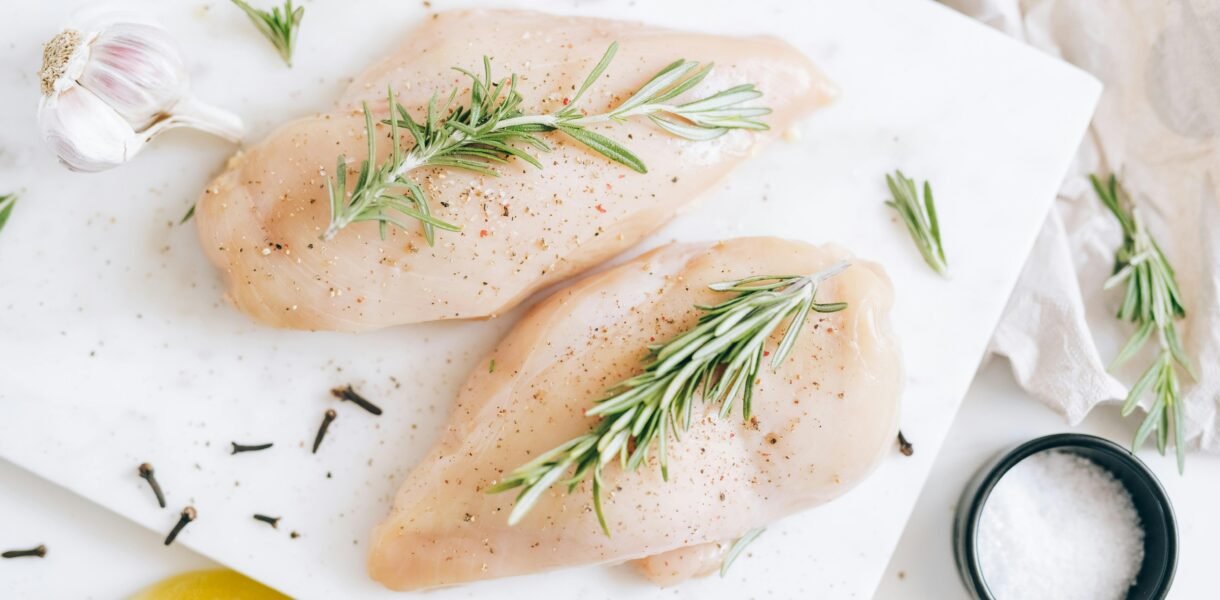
pixel 410 162
pixel 413 159
pixel 545 120
pixel 335 227
pixel 643 109
pixel 553 120
pixel 490 129
pixel 717 360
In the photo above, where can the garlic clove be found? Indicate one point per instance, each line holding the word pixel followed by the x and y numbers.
pixel 138 70
pixel 85 132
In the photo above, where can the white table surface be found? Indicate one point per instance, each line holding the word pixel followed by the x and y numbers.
pixel 94 553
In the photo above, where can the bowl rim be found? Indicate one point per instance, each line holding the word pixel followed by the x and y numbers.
pixel 981 486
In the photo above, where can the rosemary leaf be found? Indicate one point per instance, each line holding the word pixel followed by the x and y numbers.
pixel 190 214
pixel 717 360
pixel 279 26
pixel 1153 302
pixel 7 202
pixel 605 146
pixel 488 128
pixel 738 547
pixel 919 217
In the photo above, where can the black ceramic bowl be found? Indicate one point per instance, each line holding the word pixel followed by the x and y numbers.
pixel 1156 513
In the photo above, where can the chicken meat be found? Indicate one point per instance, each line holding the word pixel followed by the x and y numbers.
pixel 260 220
pixel 821 423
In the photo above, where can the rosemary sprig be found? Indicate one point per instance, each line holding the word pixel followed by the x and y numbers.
pixel 718 359
pixel 1152 302
pixel 278 26
pixel 490 128
pixel 738 547
pixel 920 218
pixel 7 202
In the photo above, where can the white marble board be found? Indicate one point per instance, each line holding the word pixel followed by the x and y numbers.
pixel 116 347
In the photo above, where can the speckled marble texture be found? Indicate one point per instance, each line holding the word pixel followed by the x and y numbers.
pixel 116 347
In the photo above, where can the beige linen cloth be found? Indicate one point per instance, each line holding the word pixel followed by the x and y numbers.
pixel 1158 128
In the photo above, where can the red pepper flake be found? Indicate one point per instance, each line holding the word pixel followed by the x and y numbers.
pixel 484 233
pixel 600 208
pixel 565 100
pixel 766 353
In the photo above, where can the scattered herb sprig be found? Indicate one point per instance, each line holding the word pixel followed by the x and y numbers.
pixel 278 25
pixel 920 218
pixel 718 359
pixel 1153 302
pixel 738 547
pixel 490 128
pixel 7 202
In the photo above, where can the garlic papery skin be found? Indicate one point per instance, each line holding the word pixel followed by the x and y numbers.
pixel 109 89
pixel 85 132
pixel 138 71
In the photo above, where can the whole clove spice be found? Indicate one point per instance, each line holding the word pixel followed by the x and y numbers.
pixel 146 472
pixel 274 522
pixel 327 418
pixel 349 394
pixel 39 552
pixel 188 515
pixel 904 446
pixel 239 448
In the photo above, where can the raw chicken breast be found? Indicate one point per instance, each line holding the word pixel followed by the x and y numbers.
pixel 820 425
pixel 684 563
pixel 260 220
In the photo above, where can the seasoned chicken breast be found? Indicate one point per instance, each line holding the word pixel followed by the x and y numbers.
pixel 259 221
pixel 821 423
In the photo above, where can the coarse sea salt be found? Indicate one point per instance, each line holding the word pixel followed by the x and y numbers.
pixel 1057 525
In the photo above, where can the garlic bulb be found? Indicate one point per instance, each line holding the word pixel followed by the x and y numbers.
pixel 110 88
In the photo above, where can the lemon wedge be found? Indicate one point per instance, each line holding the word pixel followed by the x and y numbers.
pixel 216 584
